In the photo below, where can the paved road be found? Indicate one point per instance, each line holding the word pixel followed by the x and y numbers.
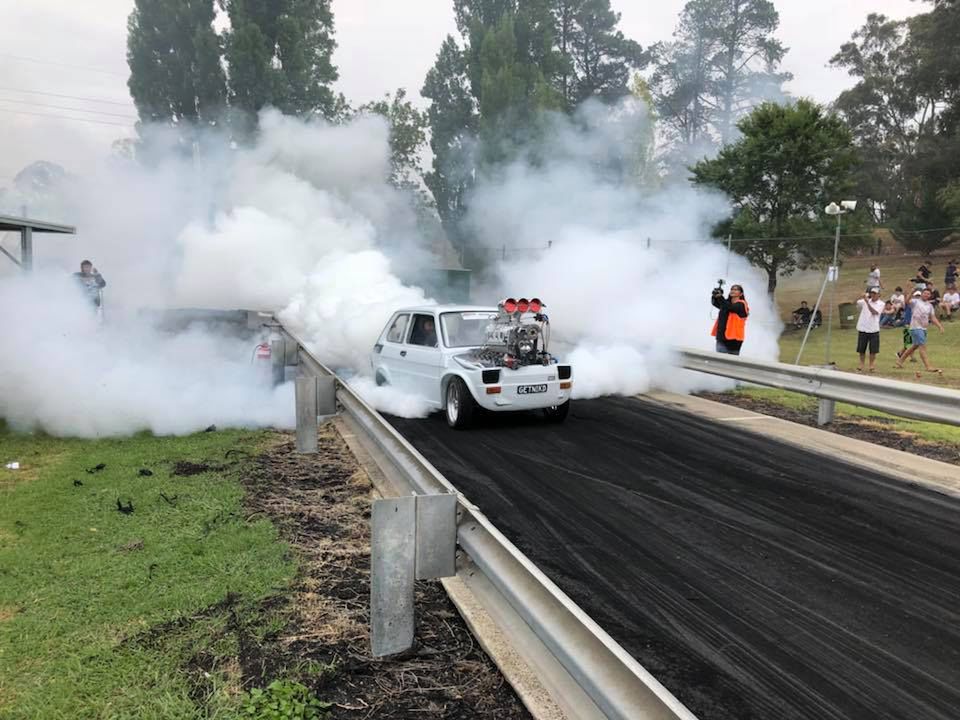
pixel 752 578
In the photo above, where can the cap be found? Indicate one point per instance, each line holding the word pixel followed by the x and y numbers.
pixel 874 290
pixel 917 293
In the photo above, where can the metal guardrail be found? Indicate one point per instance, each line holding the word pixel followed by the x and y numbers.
pixel 609 682
pixel 895 397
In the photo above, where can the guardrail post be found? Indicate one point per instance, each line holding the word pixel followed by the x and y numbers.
pixel 278 362
pixel 326 395
pixel 392 570
pixel 305 391
pixel 412 537
pixel 826 409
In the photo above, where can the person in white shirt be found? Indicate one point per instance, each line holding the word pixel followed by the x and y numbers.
pixel 897 298
pixel 950 302
pixel 873 277
pixel 922 314
pixel 868 327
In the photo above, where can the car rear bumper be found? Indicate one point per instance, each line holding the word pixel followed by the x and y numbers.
pixel 509 398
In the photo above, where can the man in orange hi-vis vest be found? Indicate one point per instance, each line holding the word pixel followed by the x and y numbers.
pixel 732 321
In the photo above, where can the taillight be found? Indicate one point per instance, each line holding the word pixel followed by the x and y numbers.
pixel 490 376
pixel 493 390
pixel 377 348
pixel 566 385
pixel 563 372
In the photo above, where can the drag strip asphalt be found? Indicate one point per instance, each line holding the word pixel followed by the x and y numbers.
pixel 753 578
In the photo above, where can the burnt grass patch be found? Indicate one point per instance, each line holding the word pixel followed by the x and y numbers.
pixel 316 633
pixel 877 430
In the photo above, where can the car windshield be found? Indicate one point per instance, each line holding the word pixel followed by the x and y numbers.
pixel 465 329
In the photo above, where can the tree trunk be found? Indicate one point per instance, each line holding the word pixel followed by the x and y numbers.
pixel 772 271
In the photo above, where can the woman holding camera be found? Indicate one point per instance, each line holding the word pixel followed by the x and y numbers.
pixel 732 320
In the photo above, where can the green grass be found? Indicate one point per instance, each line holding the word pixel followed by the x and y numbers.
pixel 89 629
pixel 944 349
pixel 931 432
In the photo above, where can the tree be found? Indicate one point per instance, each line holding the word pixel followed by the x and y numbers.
pixel 744 66
pixel 174 57
pixel 788 164
pixel 280 53
pixel 895 112
pixel 596 57
pixel 722 62
pixel 453 121
pixel 407 136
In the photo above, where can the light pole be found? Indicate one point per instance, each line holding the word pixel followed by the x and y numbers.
pixel 844 207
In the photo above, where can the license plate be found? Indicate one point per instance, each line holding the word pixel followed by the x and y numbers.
pixel 531 389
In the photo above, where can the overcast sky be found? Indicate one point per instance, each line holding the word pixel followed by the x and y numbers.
pixel 61 59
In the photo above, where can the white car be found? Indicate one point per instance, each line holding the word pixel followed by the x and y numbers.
pixel 460 357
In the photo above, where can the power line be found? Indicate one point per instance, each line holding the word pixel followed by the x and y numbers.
pixel 59 64
pixel 65 117
pixel 72 109
pixel 68 97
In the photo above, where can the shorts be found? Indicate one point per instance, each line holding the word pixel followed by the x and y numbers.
pixel 865 340
pixel 918 335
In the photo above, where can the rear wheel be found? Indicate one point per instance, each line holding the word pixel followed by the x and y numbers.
pixel 557 413
pixel 460 406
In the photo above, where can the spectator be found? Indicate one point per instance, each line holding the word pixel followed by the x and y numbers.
pixel 889 316
pixel 897 298
pixel 950 274
pixel 90 281
pixel 907 339
pixel 934 294
pixel 801 316
pixel 868 327
pixel 818 318
pixel 922 278
pixel 729 328
pixel 921 316
pixel 873 277
pixel 950 302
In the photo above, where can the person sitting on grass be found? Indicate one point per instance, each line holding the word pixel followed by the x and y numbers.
pixel 801 316
pixel 922 315
pixel 897 298
pixel 950 303
pixel 889 316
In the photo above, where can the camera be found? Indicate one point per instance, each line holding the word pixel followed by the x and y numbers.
pixel 718 290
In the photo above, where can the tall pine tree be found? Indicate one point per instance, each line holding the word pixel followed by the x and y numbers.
pixel 279 53
pixel 174 59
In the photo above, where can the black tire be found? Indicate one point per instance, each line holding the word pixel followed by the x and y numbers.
pixel 557 413
pixel 459 405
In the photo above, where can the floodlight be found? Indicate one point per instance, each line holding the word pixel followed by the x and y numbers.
pixel 832 209
pixel 849 205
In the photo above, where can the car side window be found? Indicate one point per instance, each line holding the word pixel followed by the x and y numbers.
pixel 424 331
pixel 398 329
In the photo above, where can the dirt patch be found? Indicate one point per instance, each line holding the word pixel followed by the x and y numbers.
pixel 875 430
pixel 185 468
pixel 321 504
pixel 7 613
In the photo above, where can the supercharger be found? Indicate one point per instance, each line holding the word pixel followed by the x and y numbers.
pixel 518 336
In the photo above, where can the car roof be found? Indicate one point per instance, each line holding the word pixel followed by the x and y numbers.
pixel 447 308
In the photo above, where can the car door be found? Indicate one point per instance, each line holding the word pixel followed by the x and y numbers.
pixel 389 361
pixel 424 358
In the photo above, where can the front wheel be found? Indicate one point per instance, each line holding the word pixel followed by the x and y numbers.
pixel 557 413
pixel 460 406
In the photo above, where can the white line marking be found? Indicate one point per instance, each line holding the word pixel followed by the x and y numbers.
pixel 747 417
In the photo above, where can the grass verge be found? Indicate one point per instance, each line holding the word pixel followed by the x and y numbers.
pixel 926 431
pixel 102 612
